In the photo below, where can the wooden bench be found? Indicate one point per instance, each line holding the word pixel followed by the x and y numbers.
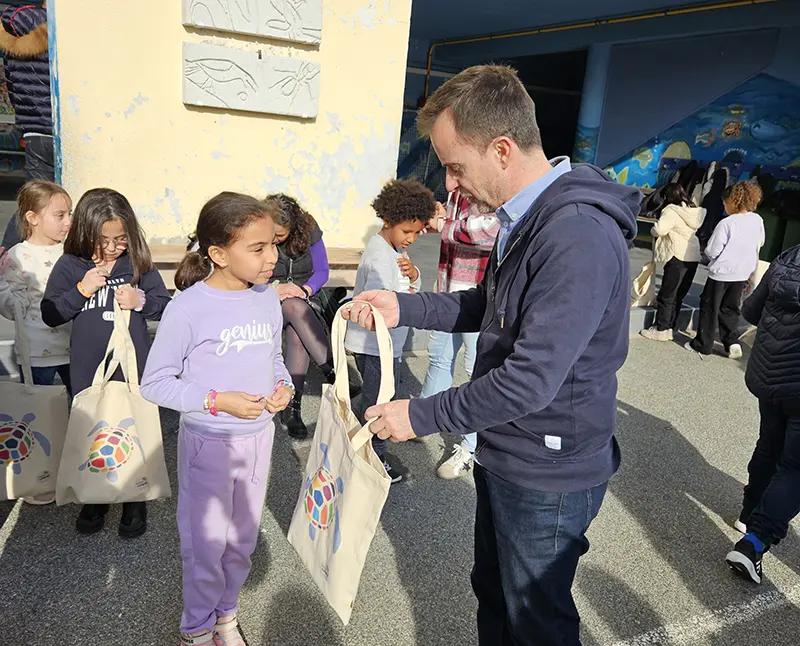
pixel 343 262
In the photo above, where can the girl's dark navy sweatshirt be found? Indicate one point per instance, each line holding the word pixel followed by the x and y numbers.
pixel 554 322
pixel 93 318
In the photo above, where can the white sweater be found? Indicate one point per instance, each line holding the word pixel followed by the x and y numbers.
pixel 676 233
pixel 378 269
pixel 25 281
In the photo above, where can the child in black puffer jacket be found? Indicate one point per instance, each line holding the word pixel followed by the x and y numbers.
pixel 772 494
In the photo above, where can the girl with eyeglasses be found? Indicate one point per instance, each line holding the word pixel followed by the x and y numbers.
pixel 105 259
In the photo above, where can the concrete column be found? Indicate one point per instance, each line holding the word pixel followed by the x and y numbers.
pixel 592 101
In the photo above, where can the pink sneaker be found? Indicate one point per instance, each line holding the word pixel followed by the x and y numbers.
pixel 228 634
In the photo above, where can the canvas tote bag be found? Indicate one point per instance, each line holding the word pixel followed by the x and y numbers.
pixel 345 485
pixel 643 288
pixel 33 425
pixel 756 276
pixel 113 452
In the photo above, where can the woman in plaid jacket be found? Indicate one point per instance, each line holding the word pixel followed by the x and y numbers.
pixel 467 240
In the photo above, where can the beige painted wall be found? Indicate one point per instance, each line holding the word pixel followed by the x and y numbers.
pixel 124 124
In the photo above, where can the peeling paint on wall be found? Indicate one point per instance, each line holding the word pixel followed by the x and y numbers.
pixel 137 101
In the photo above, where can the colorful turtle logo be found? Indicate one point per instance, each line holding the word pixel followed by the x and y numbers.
pixel 17 440
pixel 321 493
pixel 111 449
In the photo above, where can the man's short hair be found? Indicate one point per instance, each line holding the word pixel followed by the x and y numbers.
pixel 486 101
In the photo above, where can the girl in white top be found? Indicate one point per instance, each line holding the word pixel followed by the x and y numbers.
pixel 676 245
pixel 44 217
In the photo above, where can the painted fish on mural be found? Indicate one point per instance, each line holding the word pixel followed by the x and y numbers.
pixel 731 129
pixel 706 138
pixel 769 132
pixel 735 110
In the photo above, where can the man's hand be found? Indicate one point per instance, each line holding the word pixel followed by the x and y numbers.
pixel 383 301
pixel 393 422
pixel 407 268
pixel 241 405
pixel 128 297
pixel 279 400
pixel 290 290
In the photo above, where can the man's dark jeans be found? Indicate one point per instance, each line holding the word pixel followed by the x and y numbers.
pixel 772 494
pixel 527 546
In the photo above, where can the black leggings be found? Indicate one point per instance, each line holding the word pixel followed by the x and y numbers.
pixel 305 339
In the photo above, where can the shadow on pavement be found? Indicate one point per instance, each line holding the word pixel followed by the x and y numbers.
pixel 625 612
pixel 299 617
pixel 666 484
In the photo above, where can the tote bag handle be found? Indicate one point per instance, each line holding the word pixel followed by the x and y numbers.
pixel 24 349
pixel 121 350
pixel 341 386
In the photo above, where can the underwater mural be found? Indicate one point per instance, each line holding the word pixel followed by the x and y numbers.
pixel 757 124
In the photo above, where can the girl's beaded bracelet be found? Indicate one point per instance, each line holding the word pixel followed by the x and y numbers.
pixel 281 383
pixel 210 403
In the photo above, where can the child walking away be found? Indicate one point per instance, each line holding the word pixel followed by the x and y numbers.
pixel 406 207
pixel 217 360
pixel 677 246
pixel 44 214
pixel 772 495
pixel 105 258
pixel 733 254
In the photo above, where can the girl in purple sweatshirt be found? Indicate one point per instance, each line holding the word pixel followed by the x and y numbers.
pixel 217 360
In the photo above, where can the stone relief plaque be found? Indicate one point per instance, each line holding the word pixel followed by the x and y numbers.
pixel 224 77
pixel 297 21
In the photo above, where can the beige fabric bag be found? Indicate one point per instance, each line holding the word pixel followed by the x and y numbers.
pixel 345 485
pixel 756 276
pixel 33 425
pixel 643 289
pixel 113 451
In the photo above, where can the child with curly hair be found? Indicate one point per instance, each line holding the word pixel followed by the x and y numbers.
pixel 405 207
pixel 732 251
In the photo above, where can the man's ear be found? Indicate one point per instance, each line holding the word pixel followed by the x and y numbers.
pixel 502 147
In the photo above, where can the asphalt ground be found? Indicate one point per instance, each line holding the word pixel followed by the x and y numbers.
pixel 654 575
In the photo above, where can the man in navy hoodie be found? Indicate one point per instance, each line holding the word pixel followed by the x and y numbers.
pixel 552 313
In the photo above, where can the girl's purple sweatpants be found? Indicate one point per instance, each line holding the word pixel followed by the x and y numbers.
pixel 222 483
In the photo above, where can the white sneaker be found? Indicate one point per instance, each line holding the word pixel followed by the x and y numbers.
pixel 735 351
pixel 457 464
pixel 41 499
pixel 739 526
pixel 654 334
